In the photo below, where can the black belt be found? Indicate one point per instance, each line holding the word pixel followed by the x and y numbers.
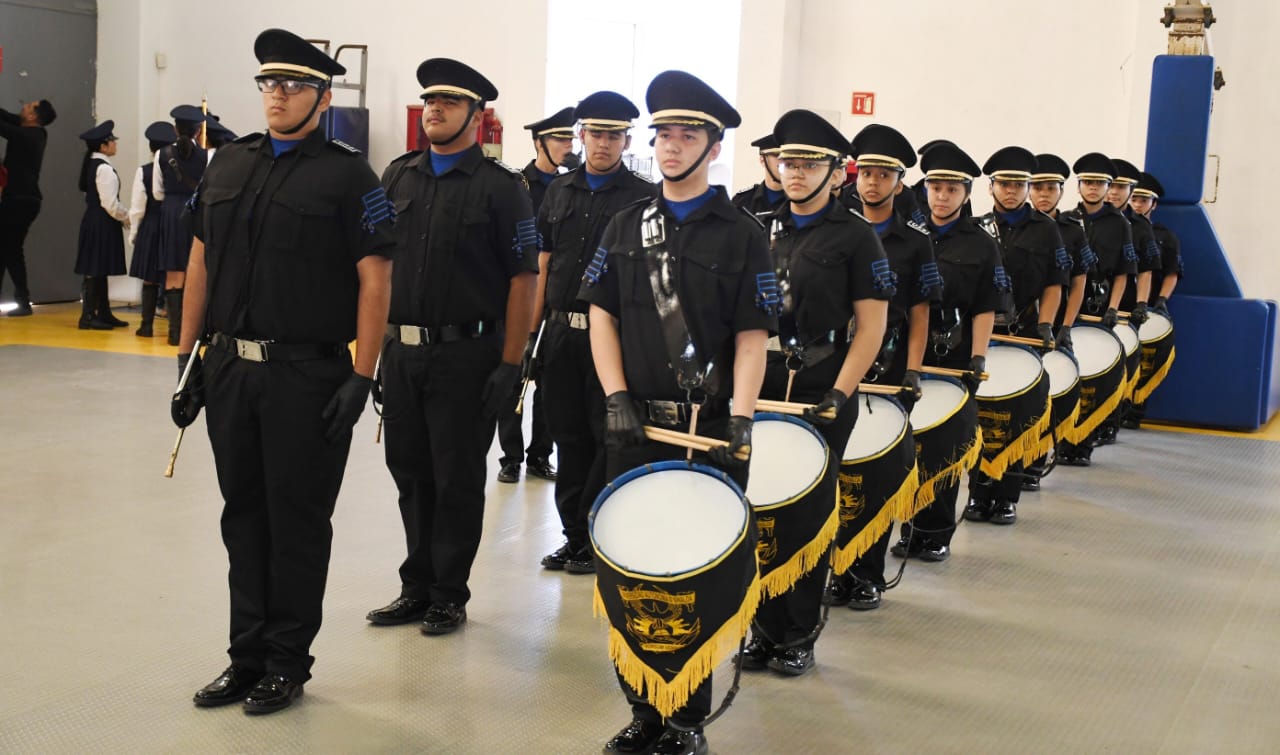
pixel 419 335
pixel 673 413
pixel 575 320
pixel 270 351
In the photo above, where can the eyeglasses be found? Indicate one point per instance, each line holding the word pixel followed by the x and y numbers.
pixel 802 166
pixel 290 86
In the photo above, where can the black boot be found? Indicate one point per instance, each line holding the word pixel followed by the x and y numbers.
pixel 89 305
pixel 150 291
pixel 104 306
pixel 173 303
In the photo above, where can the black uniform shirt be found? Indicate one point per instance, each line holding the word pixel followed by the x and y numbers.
pixel 974 278
pixel 756 200
pixel 905 205
pixel 1170 257
pixel 460 239
pixel 910 253
pixel 1111 239
pixel 571 223
pixel 537 184
pixel 725 281
pixel 832 262
pixel 283 234
pixel 24 152
pixel 1034 256
pixel 1144 241
pixel 1071 229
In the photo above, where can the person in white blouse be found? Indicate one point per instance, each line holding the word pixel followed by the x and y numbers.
pixel 144 228
pixel 100 251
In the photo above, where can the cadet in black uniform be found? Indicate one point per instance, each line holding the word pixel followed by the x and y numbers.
pixel 572 221
pixel 289 264
pixel 1163 280
pixel 100 246
pixel 552 140
pixel 724 303
pixel 883 156
pixel 1046 191
pixel 1111 240
pixel 25 139
pixel 178 170
pixel 830 265
pixel 766 196
pixel 461 312
pixel 1138 291
pixel 1038 266
pixel 144 227
pixel 960 327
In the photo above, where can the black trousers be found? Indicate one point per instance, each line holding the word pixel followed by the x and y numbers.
pixel 511 432
pixel 1007 488
pixel 869 567
pixel 16 216
pixel 279 479
pixel 436 444
pixel 575 415
pixel 619 460
pixel 937 521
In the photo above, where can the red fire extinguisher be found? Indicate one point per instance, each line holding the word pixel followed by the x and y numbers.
pixel 490 136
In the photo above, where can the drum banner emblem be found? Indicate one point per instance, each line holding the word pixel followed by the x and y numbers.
pixel 660 620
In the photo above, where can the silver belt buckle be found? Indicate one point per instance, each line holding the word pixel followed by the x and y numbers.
pixel 410 335
pixel 251 350
pixel 664 413
pixel 578 320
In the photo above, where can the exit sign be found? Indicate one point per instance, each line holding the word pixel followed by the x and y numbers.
pixel 864 103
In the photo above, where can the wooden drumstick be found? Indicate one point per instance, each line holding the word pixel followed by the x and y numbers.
pixel 690 441
pixel 953 373
pixel 1095 318
pixel 173 455
pixel 1036 342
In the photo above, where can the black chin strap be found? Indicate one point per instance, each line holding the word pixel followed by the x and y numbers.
pixel 826 180
pixel 770 174
pixel 320 90
pixel 710 143
pixel 877 205
pixel 541 140
pixel 466 123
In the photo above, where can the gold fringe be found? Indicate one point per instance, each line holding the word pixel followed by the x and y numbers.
pixel 1140 395
pixel 1132 383
pixel 1066 429
pixel 1045 440
pixel 1016 450
pixel 898 506
pixel 785 576
pixel 927 491
pixel 1099 415
pixel 668 697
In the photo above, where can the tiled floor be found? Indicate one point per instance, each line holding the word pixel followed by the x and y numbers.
pixel 1132 609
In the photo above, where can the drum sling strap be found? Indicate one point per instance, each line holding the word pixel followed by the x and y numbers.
pixel 799 352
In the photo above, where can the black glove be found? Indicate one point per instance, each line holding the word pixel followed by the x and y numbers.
pixel 1139 313
pixel 1110 318
pixel 973 378
pixel 346 405
pixel 832 400
pixel 527 365
pixel 185 405
pixel 499 394
pixel 911 391
pixel 1161 305
pixel 739 438
pixel 1045 331
pixel 622 423
pixel 1064 338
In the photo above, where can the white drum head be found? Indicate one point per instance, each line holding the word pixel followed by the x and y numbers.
pixel 635 526
pixel 1128 336
pixel 1096 349
pixel 938 401
pixel 1156 327
pixel 1010 370
pixel 786 459
pixel 1063 373
pixel 880 423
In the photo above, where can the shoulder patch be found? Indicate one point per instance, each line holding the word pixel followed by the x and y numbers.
pixel 917 227
pixel 248 138
pixel 343 147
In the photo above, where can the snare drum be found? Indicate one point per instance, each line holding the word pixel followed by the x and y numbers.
pixel 1064 393
pixel 1013 408
pixel 790 493
pixel 944 424
pixel 1101 358
pixel 878 477
pixel 676 575
pixel 1128 335
pixel 1156 335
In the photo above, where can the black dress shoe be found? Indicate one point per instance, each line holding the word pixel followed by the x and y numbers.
pixel 231 686
pixel 443 618
pixel 864 597
pixel 93 323
pixel 934 552
pixel 1128 423
pixel 22 310
pixel 555 560
pixel 1004 512
pixel 275 692
pixel 510 472
pixel 756 654
pixel 114 321
pixel 792 661
pixel 1075 460
pixel 906 546
pixel 977 511
pixel 582 561
pixel 639 736
pixel 676 742
pixel 540 468
pixel 1031 484
pixel 399 611
pixel 838 591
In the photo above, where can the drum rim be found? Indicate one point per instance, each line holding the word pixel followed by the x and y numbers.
pixel 943 420
pixel 826 460
pixel 1074 383
pixel 1118 360
pixel 1167 334
pixel 903 433
pixel 1021 391
pixel 659 466
pixel 1132 329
